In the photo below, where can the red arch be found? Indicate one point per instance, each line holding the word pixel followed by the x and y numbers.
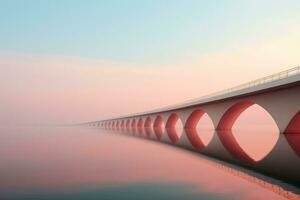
pixel 171 129
pixel 122 125
pixel 140 125
pixel 292 133
pixel 148 126
pixel 133 125
pixel 117 125
pixel 113 125
pixel 225 134
pixel 128 124
pixel 191 131
pixel 294 142
pixel 158 129
pixel 232 114
pixel 294 125
pixel 230 143
pixel 193 119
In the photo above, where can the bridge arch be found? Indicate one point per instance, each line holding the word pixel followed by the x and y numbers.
pixel 127 124
pixel 234 143
pixel 158 127
pixel 193 119
pixel 292 133
pixel 230 116
pixel 122 125
pixel 133 125
pixel 294 125
pixel 148 126
pixel 294 142
pixel 117 125
pixel 140 126
pixel 174 135
pixel 191 128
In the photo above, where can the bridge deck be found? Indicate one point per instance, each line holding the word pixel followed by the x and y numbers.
pixel 282 79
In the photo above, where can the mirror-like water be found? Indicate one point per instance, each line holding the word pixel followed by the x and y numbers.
pixel 89 163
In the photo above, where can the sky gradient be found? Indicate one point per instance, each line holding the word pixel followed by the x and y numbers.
pixel 71 61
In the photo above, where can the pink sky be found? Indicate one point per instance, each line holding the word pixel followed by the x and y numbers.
pixel 58 89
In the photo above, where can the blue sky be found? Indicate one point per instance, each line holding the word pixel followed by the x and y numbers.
pixel 148 31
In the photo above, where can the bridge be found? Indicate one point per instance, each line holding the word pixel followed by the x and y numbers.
pixel 278 94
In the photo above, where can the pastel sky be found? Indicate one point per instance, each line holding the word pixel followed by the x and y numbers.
pixel 70 61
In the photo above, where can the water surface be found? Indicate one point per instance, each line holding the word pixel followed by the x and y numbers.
pixel 89 163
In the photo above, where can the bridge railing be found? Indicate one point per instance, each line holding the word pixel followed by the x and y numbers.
pixel 267 79
pixel 274 77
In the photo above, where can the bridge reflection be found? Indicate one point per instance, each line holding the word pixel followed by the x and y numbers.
pixel 287 192
pixel 282 162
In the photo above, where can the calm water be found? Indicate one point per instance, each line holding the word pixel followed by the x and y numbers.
pixel 89 163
